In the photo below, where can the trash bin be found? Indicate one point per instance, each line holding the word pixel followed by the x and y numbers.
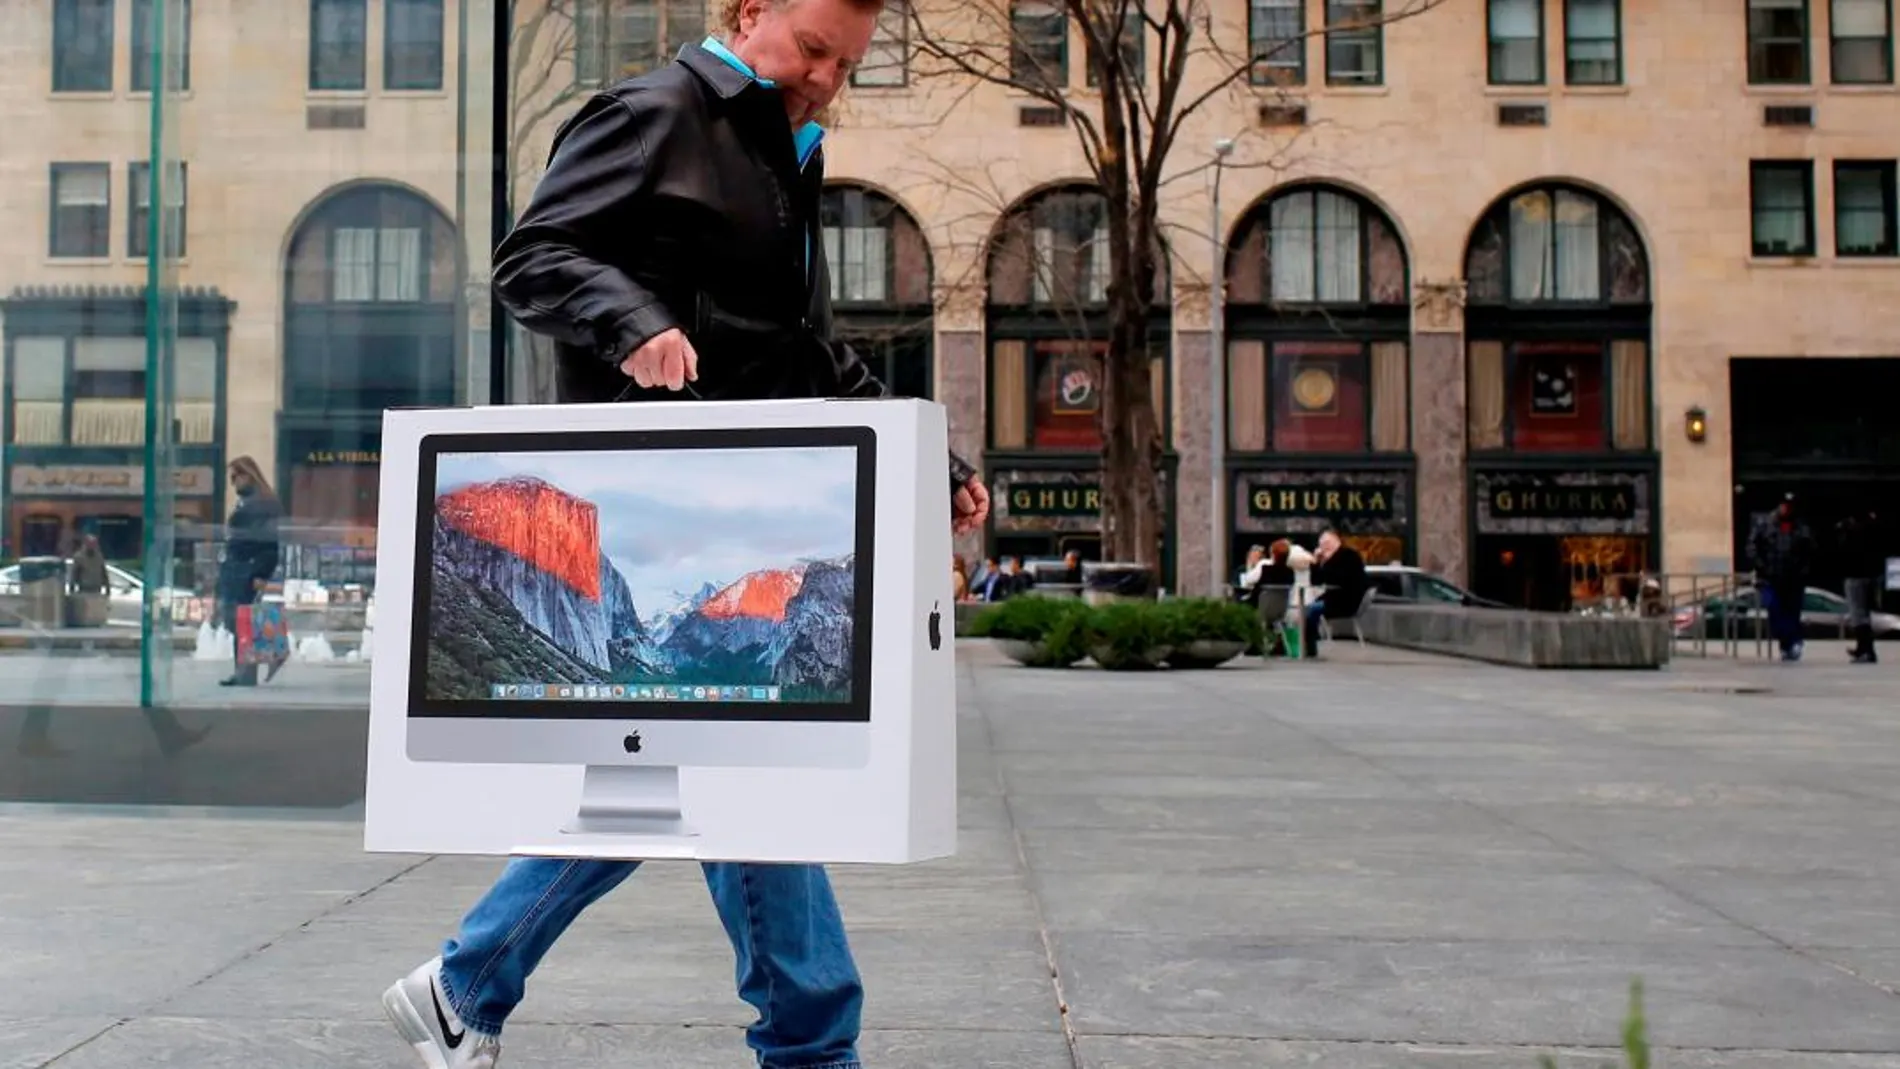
pixel 43 590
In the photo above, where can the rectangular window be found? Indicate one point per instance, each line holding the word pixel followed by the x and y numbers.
pixel 1861 45
pixel 339 44
pixel 1558 395
pixel 177 46
pixel 1276 35
pixel 1313 252
pixel 1355 42
pixel 859 258
pixel 1781 199
pixel 1067 403
pixel 887 61
pixel 108 369
pixel 1778 42
pixel 82 210
pixel 1864 208
pixel 412 44
pixel 1593 42
pixel 1134 56
pixel 1516 29
pixel 619 39
pixel 1039 44
pixel 82 46
pixel 139 216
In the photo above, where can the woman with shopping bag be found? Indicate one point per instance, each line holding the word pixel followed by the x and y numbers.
pixel 245 567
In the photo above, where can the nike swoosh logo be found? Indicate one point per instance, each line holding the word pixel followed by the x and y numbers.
pixel 453 1039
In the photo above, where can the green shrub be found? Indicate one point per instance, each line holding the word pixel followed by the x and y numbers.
pixel 1122 634
pixel 1213 619
pixel 1056 624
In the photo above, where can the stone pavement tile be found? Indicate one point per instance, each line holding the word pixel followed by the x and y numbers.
pixel 1149 1052
pixel 676 972
pixel 1804 910
pixel 1471 993
pixel 1564 907
pixel 1876 965
pixel 1244 816
pixel 1499 852
pixel 189 1043
pixel 32 1042
pixel 1844 839
pixel 1314 778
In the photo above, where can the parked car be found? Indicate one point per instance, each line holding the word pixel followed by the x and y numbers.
pixel 125 594
pixel 1823 616
pixel 1402 582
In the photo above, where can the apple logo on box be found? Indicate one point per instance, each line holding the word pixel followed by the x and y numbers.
pixel 631 742
pixel 936 627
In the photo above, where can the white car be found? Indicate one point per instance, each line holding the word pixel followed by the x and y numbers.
pixel 125 595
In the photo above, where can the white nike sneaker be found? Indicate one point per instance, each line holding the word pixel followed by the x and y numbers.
pixel 420 1011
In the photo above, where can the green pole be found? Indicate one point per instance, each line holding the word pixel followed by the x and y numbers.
pixel 155 399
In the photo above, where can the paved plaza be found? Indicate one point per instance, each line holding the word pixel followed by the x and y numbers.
pixel 1376 860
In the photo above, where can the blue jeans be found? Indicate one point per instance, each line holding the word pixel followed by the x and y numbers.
pixel 1783 602
pixel 794 965
pixel 1310 636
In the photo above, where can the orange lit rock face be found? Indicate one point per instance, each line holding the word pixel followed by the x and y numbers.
pixel 550 529
pixel 761 595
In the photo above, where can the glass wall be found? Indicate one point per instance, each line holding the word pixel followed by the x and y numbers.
pixel 234 233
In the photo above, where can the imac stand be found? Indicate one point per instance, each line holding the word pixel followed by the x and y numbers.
pixel 630 800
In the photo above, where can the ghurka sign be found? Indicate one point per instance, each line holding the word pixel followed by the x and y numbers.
pixel 1586 502
pixel 1081 499
pixel 1307 502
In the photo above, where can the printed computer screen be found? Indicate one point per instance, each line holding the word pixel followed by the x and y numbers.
pixel 675 575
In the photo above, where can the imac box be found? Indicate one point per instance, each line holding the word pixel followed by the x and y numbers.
pixel 692 629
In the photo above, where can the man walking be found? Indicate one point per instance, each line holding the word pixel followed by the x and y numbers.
pixel 1781 550
pixel 673 250
pixel 1863 565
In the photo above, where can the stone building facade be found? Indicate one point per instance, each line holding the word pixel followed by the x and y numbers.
pixel 1525 292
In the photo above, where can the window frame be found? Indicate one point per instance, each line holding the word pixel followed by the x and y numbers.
pixel 139 77
pixel 1756 76
pixel 440 55
pixel 1888 171
pixel 1834 40
pixel 1498 214
pixel 1374 33
pixel 63 29
pixel 900 9
pixel 1805 170
pixel 1137 24
pixel 1492 41
pixel 138 225
pixel 316 80
pixel 1260 68
pixel 55 171
pixel 1616 41
pixel 1062 75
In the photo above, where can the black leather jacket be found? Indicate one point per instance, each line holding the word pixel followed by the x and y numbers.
pixel 677 200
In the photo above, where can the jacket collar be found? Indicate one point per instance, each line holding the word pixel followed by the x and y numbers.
pixel 728 75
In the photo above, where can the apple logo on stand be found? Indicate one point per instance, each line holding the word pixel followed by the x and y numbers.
pixel 631 742
pixel 936 627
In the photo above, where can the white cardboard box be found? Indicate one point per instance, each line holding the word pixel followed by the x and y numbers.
pixel 899 806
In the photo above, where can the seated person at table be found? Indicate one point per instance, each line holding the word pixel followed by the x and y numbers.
pixel 1340 572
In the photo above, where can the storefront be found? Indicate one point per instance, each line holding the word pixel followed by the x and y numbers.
pixel 1047 319
pixel 1557 538
pixel 76 404
pixel 1562 466
pixel 1370 507
pixel 1319 377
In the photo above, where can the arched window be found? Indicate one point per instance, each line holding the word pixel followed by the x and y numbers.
pixel 1556 245
pixel 1317 326
pixel 1557 325
pixel 1317 245
pixel 879 265
pixel 371 282
pixel 1053 253
pixel 371 279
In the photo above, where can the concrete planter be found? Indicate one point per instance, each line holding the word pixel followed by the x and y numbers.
pixel 1032 654
pixel 1115 661
pixel 1206 653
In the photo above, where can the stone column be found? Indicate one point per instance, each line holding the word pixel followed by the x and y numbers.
pixel 1438 425
pixel 1194 536
pixel 961 372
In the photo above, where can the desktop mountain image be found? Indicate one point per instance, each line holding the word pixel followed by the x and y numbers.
pixel 524 591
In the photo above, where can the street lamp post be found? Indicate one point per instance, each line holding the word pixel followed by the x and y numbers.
pixel 1217 379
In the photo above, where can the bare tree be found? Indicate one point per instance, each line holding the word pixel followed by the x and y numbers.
pixel 1128 123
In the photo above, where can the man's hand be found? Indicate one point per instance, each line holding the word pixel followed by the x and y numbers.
pixel 970 507
pixel 666 359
